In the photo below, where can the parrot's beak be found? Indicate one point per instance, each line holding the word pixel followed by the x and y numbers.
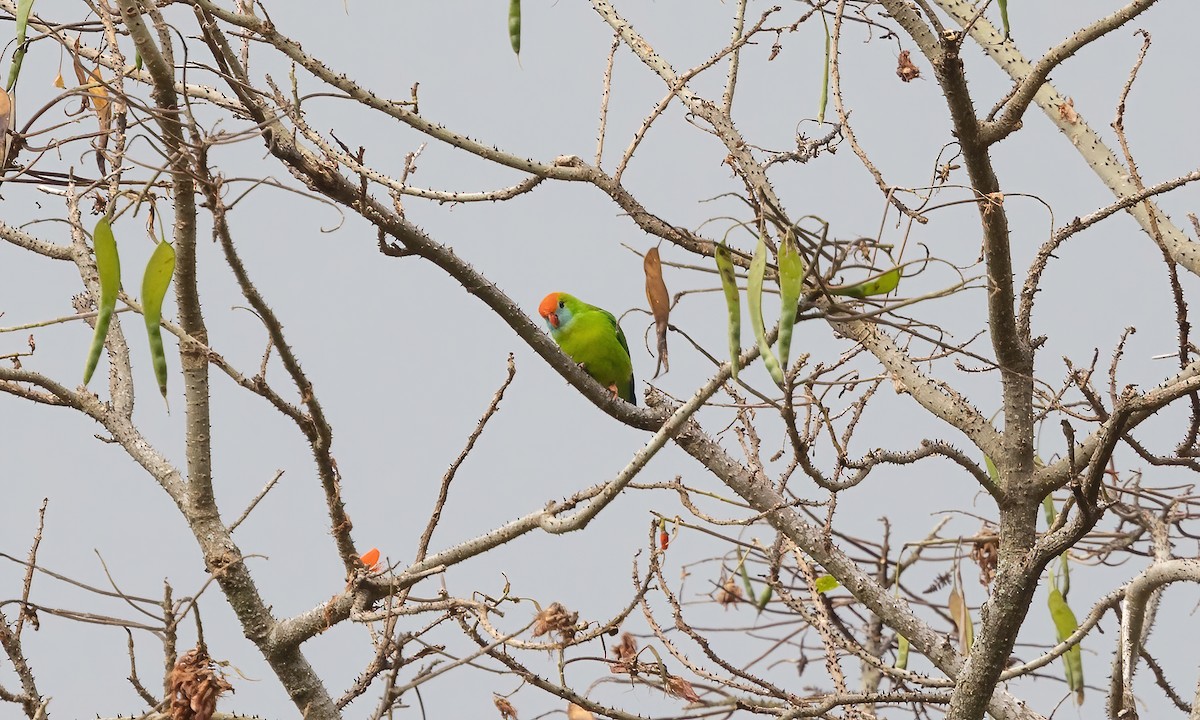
pixel 553 319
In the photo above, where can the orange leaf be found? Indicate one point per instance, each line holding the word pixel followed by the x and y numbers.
pixel 369 558
pixel 507 711
pixel 575 712
pixel 5 112
pixel 100 98
pixel 98 94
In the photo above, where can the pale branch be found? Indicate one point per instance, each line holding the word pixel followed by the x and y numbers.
pixel 1013 351
pixel 1029 85
pixel 30 699
pixel 927 448
pixel 751 683
pixel 1095 152
pixel 1138 592
pixel 605 94
pixel 739 24
pixel 355 166
pixel 255 501
pixel 159 62
pixel 24 240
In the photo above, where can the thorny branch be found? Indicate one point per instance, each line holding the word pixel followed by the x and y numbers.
pixel 166 119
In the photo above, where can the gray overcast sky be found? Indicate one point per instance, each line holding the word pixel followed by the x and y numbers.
pixel 405 360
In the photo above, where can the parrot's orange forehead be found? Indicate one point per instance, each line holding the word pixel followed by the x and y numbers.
pixel 549 304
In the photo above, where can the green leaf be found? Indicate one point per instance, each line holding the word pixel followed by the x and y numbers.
pixel 745 577
pixel 108 267
pixel 1004 16
pixel 901 652
pixel 514 26
pixel 825 583
pixel 733 302
pixel 155 281
pixel 791 279
pixel 879 285
pixel 1065 625
pixel 824 101
pixel 1048 510
pixel 754 285
pixel 992 472
pixel 764 598
pixel 23 8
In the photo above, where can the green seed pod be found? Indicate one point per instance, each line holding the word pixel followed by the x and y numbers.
pixel 108 267
pixel 754 285
pixel 157 278
pixel 791 279
pixel 514 25
pixel 733 302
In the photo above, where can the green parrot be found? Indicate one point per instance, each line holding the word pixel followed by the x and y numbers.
pixel 591 337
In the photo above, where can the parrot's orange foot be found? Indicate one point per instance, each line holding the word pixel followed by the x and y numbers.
pixel 613 389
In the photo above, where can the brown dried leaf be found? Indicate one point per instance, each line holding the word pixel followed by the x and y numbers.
pixel 1066 111
pixel 960 613
pixel 99 97
pixel 574 712
pixel 624 653
pixel 507 711
pixel 995 200
pixel 986 554
pixel 5 112
pixel 80 73
pixel 660 305
pixel 100 100
pixel 556 618
pixel 195 686
pixel 730 593
pixel 906 69
pixel 5 123
pixel 681 688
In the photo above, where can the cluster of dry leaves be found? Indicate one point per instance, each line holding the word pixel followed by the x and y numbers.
pixel 195 686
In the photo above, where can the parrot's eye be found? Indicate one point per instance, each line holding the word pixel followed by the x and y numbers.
pixel 561 304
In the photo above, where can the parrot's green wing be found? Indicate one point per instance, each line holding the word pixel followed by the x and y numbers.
pixel 620 332
pixel 627 392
